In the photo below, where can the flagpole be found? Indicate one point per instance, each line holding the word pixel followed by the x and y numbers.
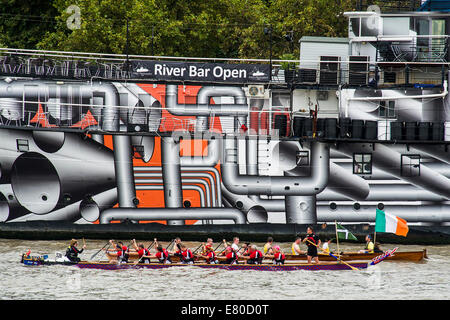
pixel 374 238
pixel 337 240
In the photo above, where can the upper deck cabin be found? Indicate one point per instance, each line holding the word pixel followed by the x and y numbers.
pixel 383 49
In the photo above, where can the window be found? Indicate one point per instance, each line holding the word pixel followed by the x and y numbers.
pixel 387 109
pixel 362 163
pixel 410 165
pixel 302 158
pixel 22 145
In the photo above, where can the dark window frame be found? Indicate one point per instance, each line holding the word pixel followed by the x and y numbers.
pixel 362 163
pixel 410 171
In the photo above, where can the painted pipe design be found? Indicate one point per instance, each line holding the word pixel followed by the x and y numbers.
pixel 42 91
pixel 43 181
pixel 389 160
pixel 255 213
pixel 199 189
pixel 171 172
pixel 203 108
pixel 211 173
pixel 174 213
pixel 123 165
pixel 257 185
pixel 411 213
pixel 155 179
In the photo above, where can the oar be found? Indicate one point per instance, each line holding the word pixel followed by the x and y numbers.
pixel 167 248
pixel 197 248
pixel 151 245
pixel 99 250
pixel 331 255
pixel 218 246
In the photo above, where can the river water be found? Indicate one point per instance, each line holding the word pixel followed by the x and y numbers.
pixel 387 280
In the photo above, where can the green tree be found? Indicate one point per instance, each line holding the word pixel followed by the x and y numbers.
pixel 194 28
pixel 23 23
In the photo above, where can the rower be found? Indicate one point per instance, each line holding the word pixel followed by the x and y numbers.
pixel 210 255
pixel 162 255
pixel 72 251
pixel 268 246
pixel 176 247
pixel 311 240
pixel 278 256
pixel 326 245
pixel 376 248
pixel 231 256
pixel 246 248
pixel 121 251
pixel 235 245
pixel 296 247
pixel 369 245
pixel 206 246
pixel 256 256
pixel 143 253
pixel 186 255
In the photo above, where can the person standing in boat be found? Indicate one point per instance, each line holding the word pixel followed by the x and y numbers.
pixel 72 251
pixel 268 246
pixel 295 248
pixel 313 242
pixel 369 245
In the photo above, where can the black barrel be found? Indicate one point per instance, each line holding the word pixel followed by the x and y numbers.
pixel 345 128
pixel 423 131
pixel 307 127
pixel 397 130
pixel 437 131
pixel 298 126
pixel 410 130
pixel 280 123
pixel 357 129
pixel 371 130
pixel 331 128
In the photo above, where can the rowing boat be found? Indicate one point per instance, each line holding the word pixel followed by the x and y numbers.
pixel 411 256
pixel 102 265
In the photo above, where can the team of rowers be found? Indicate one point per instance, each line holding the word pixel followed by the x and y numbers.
pixel 230 255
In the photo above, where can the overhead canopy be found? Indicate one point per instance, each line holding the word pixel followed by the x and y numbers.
pixel 435 5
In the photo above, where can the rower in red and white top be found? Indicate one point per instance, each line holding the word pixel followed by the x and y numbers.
pixel 121 251
pixel 143 253
pixel 256 256
pixel 230 255
pixel 278 255
pixel 210 255
pixel 186 254
pixel 162 255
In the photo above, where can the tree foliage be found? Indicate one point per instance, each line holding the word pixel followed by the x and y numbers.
pixel 197 28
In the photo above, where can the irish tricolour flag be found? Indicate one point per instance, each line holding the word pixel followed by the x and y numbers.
pixel 387 223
